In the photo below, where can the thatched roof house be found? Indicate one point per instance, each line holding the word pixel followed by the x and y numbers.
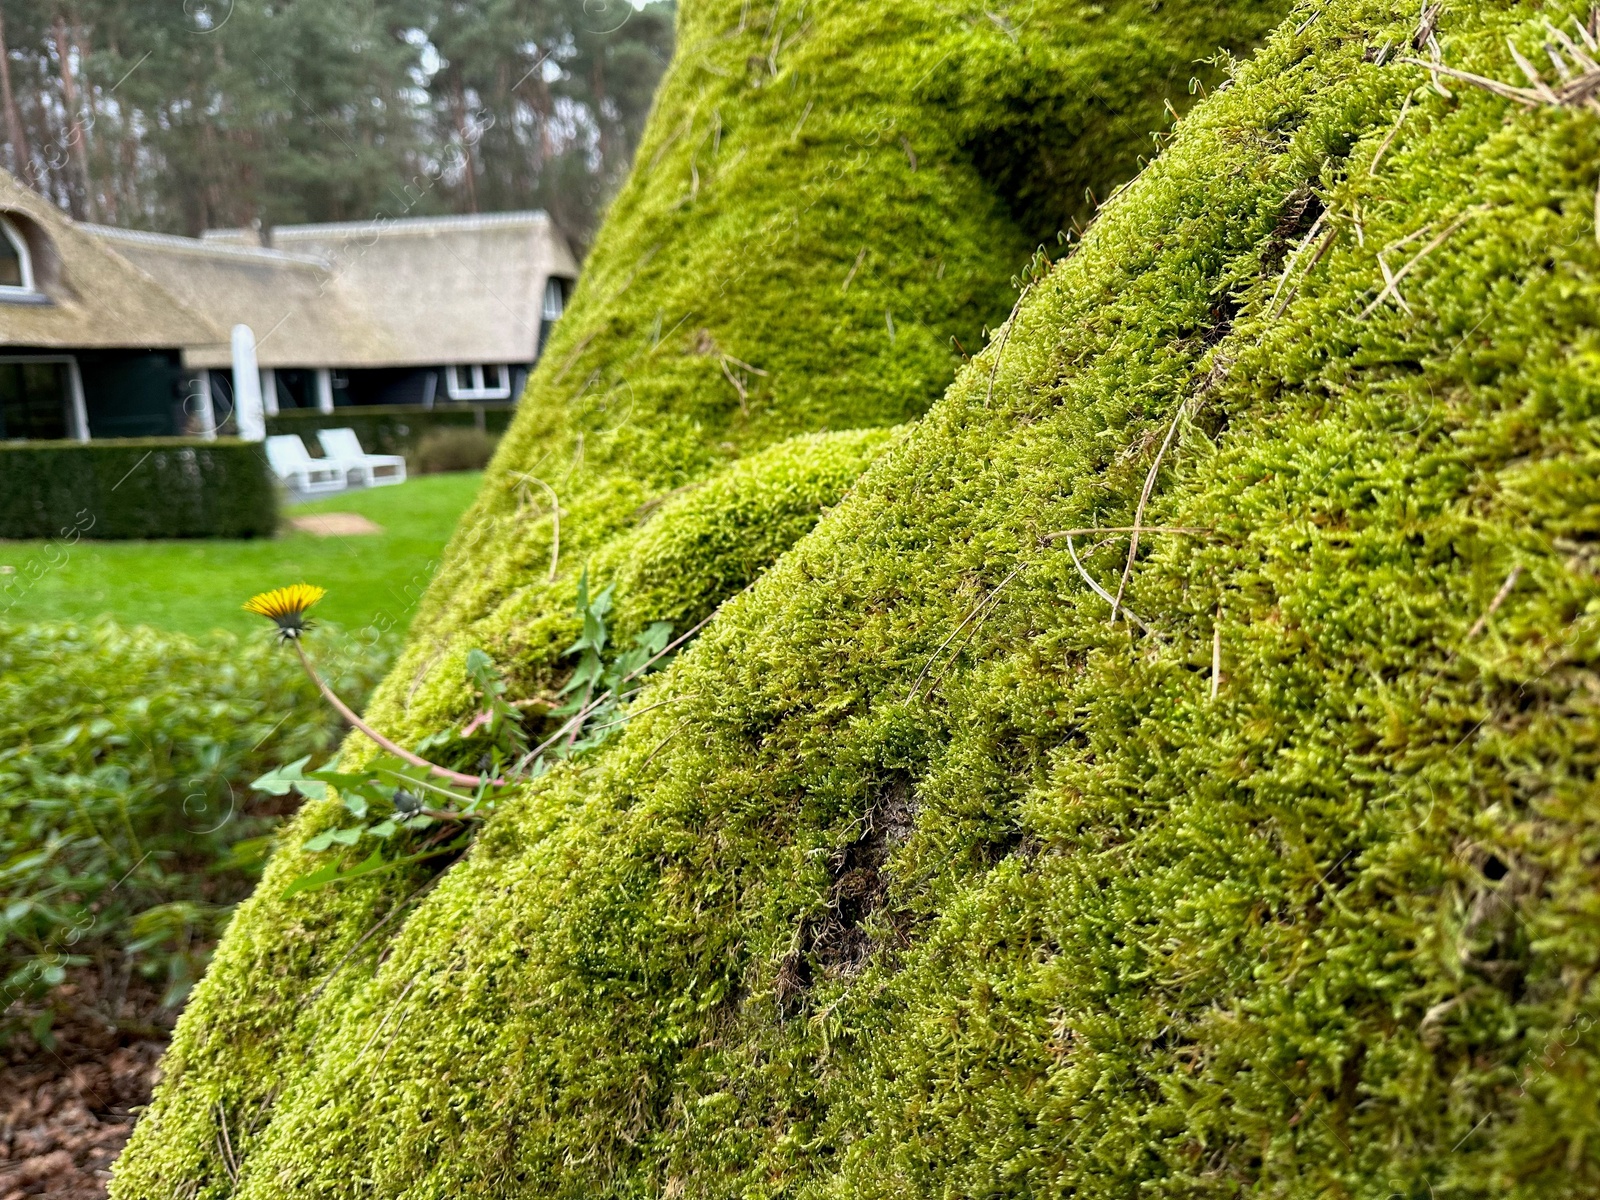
pixel 419 311
pixel 292 302
pixel 89 344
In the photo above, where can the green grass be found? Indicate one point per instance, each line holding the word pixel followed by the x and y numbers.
pixel 194 586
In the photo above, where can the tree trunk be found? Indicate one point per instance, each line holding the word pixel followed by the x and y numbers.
pixel 79 193
pixel 597 80
pixel 121 161
pixel 128 167
pixel 107 199
pixel 538 99
pixel 21 152
pixel 458 106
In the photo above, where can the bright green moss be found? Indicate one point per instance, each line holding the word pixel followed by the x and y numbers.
pixel 709 544
pixel 886 904
pixel 820 219
pixel 687 552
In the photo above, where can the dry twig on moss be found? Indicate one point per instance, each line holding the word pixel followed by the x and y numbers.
pixel 1138 513
pixel 1216 655
pixel 389 1016
pixel 1427 24
pixel 1114 529
pixel 850 278
pixel 1392 281
pixel 1383 149
pixel 662 744
pixel 230 1161
pixel 369 935
pixel 744 395
pixel 555 517
pixel 1506 589
pixel 980 607
pixel 1100 591
pixel 1322 249
pixel 1000 350
pixel 1574 62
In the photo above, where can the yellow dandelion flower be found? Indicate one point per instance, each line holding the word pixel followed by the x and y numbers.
pixel 287 606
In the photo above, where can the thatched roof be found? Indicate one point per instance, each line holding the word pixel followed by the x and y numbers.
pixel 367 294
pixel 293 302
pixel 448 289
pixel 414 292
pixel 92 297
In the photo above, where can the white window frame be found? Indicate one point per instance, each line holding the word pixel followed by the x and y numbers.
pixel 77 411
pixel 478 386
pixel 12 234
pixel 558 286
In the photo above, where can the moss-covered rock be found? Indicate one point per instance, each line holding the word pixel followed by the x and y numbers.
pixel 825 213
pixel 933 878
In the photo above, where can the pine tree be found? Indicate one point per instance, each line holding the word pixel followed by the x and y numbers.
pixel 187 117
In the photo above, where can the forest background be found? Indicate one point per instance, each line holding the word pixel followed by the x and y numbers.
pixel 186 115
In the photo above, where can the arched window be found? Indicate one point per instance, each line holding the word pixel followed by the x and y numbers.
pixel 556 291
pixel 555 298
pixel 16 265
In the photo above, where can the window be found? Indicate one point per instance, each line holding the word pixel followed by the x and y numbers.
pixel 555 298
pixel 16 265
pixel 556 291
pixel 33 400
pixel 478 383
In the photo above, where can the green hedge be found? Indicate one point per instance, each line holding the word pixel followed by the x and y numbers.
pixel 136 488
pixel 391 428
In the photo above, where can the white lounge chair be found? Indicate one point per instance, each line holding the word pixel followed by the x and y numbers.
pixel 292 463
pixel 375 470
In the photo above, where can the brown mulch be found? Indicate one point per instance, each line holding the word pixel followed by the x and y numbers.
pixel 66 1110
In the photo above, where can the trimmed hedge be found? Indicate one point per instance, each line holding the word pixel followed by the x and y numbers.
pixel 136 488
pixel 392 428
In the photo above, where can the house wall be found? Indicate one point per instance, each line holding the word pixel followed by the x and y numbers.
pixel 406 385
pixel 386 385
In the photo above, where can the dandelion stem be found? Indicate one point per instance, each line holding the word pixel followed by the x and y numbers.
pixel 345 711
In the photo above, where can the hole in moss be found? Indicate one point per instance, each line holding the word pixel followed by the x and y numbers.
pixel 1225 309
pixel 1301 210
pixel 836 942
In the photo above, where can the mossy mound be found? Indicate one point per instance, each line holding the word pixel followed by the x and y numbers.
pixel 824 213
pixel 933 879
pixel 691 549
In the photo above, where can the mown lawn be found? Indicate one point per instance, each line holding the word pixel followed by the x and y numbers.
pixel 196 586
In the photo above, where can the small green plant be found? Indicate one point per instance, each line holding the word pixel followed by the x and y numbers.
pixel 386 799
pixel 598 688
pixel 398 798
pixel 127 830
